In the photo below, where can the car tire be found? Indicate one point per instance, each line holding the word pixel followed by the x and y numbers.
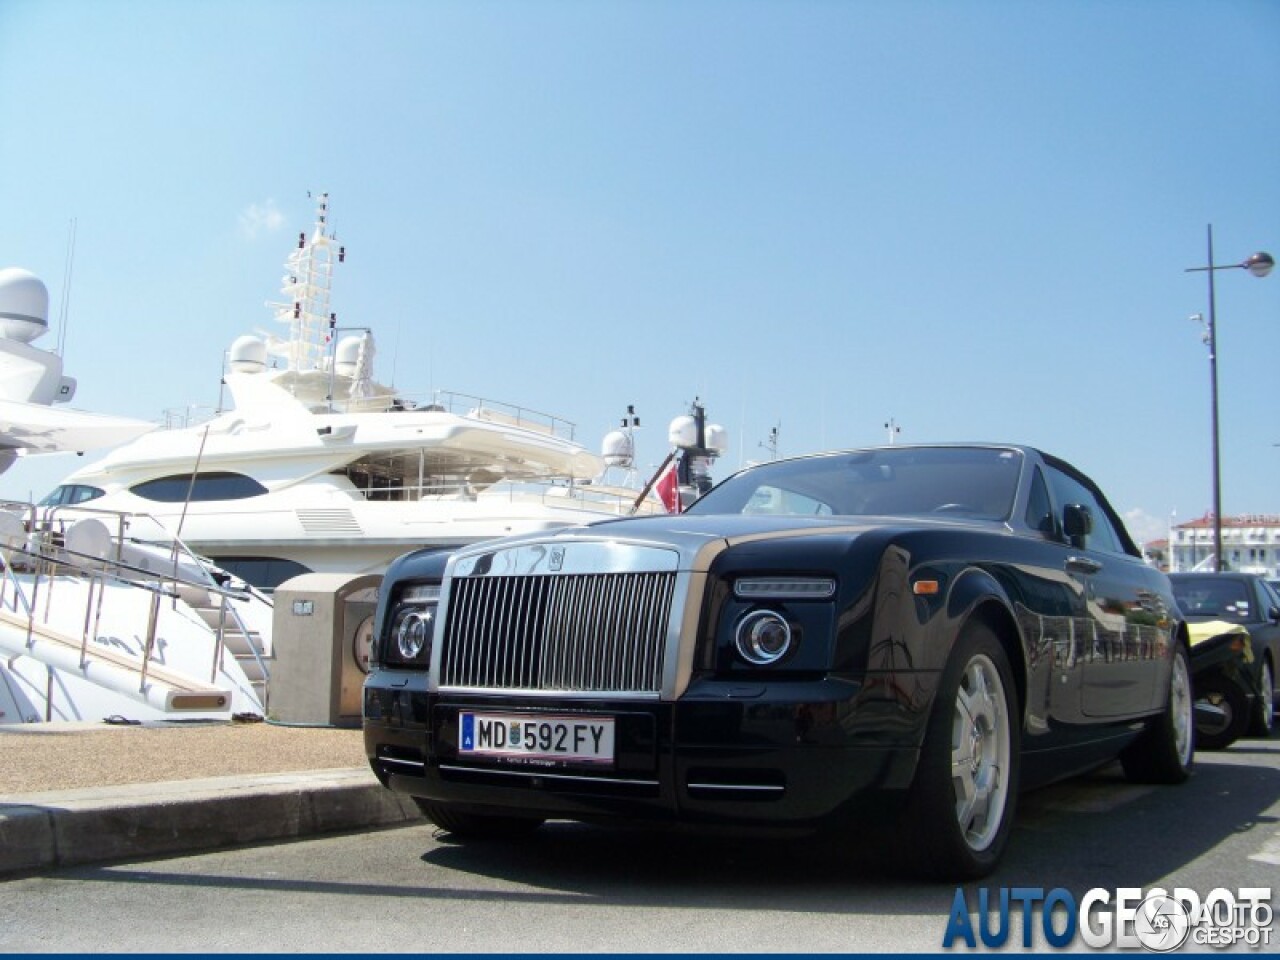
pixel 960 810
pixel 1229 718
pixel 1165 751
pixel 1264 710
pixel 476 826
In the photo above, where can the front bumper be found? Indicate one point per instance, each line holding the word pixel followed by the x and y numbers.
pixel 798 754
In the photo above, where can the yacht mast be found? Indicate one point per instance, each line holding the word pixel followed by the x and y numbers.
pixel 307 285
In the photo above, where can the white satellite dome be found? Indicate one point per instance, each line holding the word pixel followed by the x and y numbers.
pixel 347 356
pixel 618 449
pixel 24 305
pixel 683 432
pixel 717 438
pixel 248 354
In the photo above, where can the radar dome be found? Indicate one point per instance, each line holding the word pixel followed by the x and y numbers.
pixel 683 432
pixel 348 354
pixel 24 305
pixel 618 449
pixel 717 438
pixel 248 355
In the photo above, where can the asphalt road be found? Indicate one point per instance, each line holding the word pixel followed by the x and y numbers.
pixel 573 888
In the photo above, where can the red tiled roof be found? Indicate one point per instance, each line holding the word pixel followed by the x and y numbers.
pixel 1244 520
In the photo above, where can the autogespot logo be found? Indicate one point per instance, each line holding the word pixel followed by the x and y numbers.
pixel 1130 918
pixel 1162 923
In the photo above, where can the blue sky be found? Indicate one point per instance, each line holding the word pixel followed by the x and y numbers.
pixel 970 218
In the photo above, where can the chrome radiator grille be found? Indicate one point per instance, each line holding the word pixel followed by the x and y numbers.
pixel 571 633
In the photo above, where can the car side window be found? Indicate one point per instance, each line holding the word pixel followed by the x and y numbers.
pixel 1067 489
pixel 1270 598
pixel 1039 515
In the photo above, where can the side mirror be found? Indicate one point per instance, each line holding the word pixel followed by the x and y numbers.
pixel 1077 523
pixel 1274 614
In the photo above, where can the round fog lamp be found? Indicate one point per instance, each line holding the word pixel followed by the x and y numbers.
pixel 763 637
pixel 413 634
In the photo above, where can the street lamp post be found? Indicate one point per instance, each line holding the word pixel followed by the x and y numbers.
pixel 1259 265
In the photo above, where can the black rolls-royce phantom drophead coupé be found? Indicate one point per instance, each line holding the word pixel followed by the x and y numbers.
pixel 891 642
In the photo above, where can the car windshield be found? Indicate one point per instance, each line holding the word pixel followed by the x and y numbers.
pixel 1212 598
pixel 975 482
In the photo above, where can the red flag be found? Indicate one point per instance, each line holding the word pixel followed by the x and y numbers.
pixel 668 489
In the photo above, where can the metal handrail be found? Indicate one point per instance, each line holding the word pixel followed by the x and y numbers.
pixel 448 401
pixel 180 552
pixel 50 555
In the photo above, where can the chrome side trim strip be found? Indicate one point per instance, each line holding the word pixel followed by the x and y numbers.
pixel 639 695
pixel 738 787
pixel 397 762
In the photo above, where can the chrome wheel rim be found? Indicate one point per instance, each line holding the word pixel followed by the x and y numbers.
pixel 980 752
pixel 1217 718
pixel 1182 709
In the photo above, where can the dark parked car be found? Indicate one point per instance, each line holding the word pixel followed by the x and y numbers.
pixel 888 642
pixel 1234 680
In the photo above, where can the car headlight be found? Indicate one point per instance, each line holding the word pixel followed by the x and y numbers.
pixel 763 637
pixel 413 632
pixel 412 624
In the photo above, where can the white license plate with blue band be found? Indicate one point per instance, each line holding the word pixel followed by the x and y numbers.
pixel 570 739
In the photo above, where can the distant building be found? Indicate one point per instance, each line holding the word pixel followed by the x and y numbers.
pixel 1250 544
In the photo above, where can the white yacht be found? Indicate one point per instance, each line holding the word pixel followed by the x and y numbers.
pixel 317 467
pixel 32 382
pixel 103 616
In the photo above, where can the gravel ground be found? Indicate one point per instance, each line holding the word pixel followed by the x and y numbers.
pixel 35 758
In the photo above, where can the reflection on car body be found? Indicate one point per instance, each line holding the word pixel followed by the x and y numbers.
pixel 885 643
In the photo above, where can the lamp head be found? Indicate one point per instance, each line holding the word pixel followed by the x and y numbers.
pixel 1259 264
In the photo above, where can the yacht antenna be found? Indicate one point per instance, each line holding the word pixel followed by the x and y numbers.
pixel 770 443
pixel 630 424
pixel 222 380
pixel 66 289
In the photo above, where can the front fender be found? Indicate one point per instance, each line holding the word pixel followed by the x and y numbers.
pixel 976 593
pixel 971 588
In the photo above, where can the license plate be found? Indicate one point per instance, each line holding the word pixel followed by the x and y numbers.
pixel 540 738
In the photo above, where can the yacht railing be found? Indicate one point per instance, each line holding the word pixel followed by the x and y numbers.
pixel 582 496
pixel 467 405
pixel 447 401
pixel 42 553
pixel 497 411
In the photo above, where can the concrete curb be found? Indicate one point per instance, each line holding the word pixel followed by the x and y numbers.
pixel 39 831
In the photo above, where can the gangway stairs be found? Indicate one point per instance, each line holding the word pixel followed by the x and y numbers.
pixel 247 645
pixel 86 634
